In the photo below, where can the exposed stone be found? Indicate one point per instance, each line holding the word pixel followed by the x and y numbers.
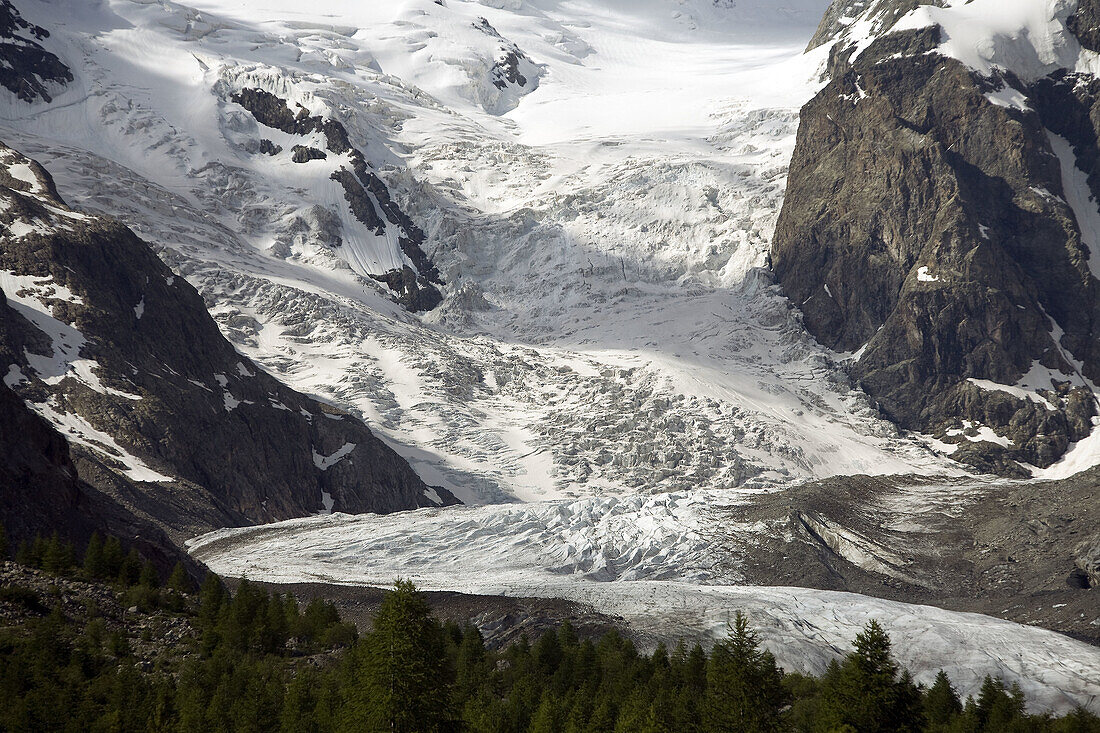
pixel 367 195
pixel 1022 551
pixel 174 394
pixel 926 227
pixel 269 148
pixel 1085 24
pixel 409 291
pixel 26 68
pixel 304 154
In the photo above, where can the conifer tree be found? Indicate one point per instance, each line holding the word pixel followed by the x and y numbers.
pixel 941 704
pixel 149 577
pixel 401 683
pixel 745 692
pixel 865 693
pixel 95 566
pixel 545 719
pixel 112 557
pixel 57 555
pixel 470 664
pixel 129 571
pixel 179 581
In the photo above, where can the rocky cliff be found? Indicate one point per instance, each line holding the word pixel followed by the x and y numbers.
pixel 120 357
pixel 939 223
pixel 27 69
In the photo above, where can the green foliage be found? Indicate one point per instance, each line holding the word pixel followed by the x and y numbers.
pixel 263 663
pixel 178 581
pixel 399 680
pixel 941 705
pixel 95 565
pixel 744 685
pixel 864 692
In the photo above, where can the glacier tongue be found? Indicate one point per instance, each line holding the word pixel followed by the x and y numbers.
pixel 660 564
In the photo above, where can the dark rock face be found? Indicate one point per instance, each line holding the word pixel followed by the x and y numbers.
pixel 25 66
pixel 883 15
pixel 1085 24
pixel 102 335
pixel 367 195
pixel 927 226
pixel 404 283
pixel 269 148
pixel 506 71
pixel 303 154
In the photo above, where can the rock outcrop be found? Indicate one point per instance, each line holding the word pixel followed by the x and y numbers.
pixel 937 228
pixel 1024 551
pixel 415 284
pixel 27 69
pixel 164 418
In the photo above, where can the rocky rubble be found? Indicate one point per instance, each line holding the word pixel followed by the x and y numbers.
pixel 1023 551
pixel 152 637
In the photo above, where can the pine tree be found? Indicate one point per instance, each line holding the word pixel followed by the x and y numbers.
pixel 57 555
pixel 95 565
pixel 864 692
pixel 401 681
pixel 149 577
pixel 179 581
pixel 470 664
pixel 997 708
pixel 695 672
pixel 745 691
pixel 941 704
pixel 546 717
pixel 129 570
pixel 211 598
pixel 24 554
pixel 299 704
pixel 112 557
pixel 548 653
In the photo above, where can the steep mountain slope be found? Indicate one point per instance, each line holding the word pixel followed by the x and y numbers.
pixel 940 221
pixel 607 326
pixel 596 184
pixel 118 353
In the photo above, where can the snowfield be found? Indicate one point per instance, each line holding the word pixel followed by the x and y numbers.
pixel 599 181
pixel 608 328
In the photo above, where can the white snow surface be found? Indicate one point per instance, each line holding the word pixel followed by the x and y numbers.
pixel 326 462
pixel 657 562
pixel 1027 37
pixel 607 327
pixel 609 350
pixel 1079 196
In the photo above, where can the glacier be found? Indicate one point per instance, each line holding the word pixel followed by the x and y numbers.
pixel 611 360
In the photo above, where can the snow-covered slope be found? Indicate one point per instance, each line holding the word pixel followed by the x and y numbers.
pixel 598 182
pixel 606 327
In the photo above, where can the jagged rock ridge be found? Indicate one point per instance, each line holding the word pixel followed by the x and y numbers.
pixel 99 337
pixel 366 194
pixel 930 226
pixel 26 68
